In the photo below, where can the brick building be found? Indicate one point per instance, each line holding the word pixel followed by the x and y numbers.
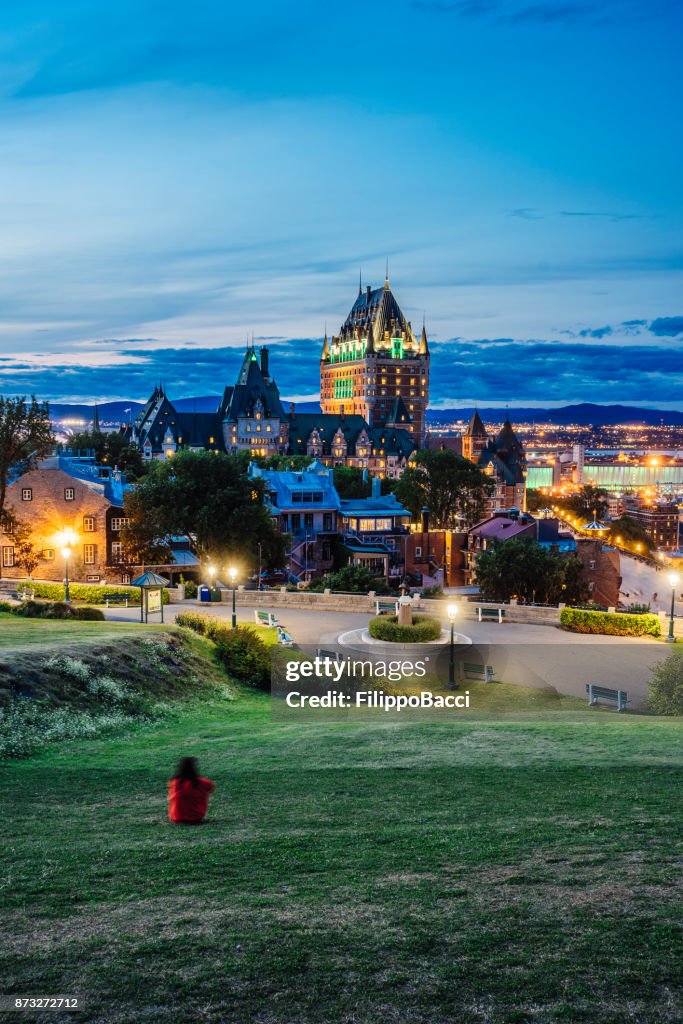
pixel 64 493
pixel 660 523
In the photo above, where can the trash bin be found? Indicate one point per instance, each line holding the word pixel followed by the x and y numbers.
pixel 215 593
pixel 204 594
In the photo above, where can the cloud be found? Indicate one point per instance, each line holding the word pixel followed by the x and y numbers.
pixel 602 215
pixel 525 213
pixel 596 332
pixel 667 326
pixel 542 14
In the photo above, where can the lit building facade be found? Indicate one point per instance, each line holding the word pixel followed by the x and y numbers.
pixel 375 367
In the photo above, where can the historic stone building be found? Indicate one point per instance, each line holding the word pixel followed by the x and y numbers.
pixel 66 494
pixel 375 367
pixel 501 456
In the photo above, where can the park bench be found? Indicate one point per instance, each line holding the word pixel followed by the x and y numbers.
pixel 320 652
pixel 490 613
pixel 264 618
pixel 389 607
pixel 596 693
pixel 480 673
pixel 284 638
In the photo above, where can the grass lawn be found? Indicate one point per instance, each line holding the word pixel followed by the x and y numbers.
pixel 488 871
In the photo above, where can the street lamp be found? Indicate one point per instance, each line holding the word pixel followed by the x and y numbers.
pixel 66 555
pixel 452 614
pixel 673 580
pixel 232 573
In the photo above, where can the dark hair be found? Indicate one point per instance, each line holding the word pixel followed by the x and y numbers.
pixel 187 770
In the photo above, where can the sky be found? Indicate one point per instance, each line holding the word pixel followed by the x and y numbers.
pixel 175 178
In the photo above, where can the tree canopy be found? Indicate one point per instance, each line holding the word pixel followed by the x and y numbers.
pixel 589 501
pixel 524 569
pixel 209 498
pixel 626 532
pixel 450 486
pixel 25 437
pixel 112 449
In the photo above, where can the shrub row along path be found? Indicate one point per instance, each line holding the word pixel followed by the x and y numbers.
pixel 501 870
pixel 526 654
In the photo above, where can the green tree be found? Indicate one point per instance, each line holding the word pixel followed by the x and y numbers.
pixel 589 501
pixel 25 554
pixel 451 487
pixel 526 570
pixel 349 482
pixel 535 500
pixel 666 688
pixel 280 462
pixel 627 533
pixel 25 438
pixel 209 498
pixel 111 450
pixel 350 579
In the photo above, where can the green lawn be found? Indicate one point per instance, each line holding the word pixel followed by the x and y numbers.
pixel 486 871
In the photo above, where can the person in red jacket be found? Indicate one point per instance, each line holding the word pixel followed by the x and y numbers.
pixel 188 794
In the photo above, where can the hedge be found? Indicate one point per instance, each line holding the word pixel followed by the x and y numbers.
pixel 423 629
pixel 57 610
pixel 610 623
pixel 205 625
pixel 93 593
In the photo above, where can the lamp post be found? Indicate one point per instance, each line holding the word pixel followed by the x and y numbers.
pixel 452 614
pixel 212 575
pixel 232 573
pixel 260 561
pixel 66 555
pixel 673 580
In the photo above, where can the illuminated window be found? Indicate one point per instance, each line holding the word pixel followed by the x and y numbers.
pixel 88 524
pixel 8 557
pixel 211 440
pixel 118 524
pixel 49 554
pixel 89 552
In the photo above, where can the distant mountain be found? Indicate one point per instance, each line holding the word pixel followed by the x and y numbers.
pixel 583 414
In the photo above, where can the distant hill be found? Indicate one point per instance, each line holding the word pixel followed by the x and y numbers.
pixel 583 414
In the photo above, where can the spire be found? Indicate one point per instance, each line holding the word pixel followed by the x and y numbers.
pixel 475 428
pixel 326 348
pixel 423 349
pixel 96 420
pixel 360 281
pixel 386 276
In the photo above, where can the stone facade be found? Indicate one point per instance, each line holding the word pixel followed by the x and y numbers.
pixel 63 495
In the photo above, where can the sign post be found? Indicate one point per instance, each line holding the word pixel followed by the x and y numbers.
pixel 151 594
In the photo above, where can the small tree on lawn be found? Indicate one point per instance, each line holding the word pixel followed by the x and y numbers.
pixel 666 688
pixel 25 554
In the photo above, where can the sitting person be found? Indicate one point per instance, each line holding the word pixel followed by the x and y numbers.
pixel 188 794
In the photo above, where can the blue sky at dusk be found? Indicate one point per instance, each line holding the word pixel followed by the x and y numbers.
pixel 174 177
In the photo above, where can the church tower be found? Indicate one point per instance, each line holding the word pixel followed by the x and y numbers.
pixel 376 367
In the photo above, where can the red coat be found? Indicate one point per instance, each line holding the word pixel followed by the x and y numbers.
pixel 188 800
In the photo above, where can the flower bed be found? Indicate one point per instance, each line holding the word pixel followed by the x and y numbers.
pixel 423 629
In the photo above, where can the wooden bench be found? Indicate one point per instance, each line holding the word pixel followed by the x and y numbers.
pixel 284 638
pixel 481 673
pixel 386 607
pixel 596 693
pixel 490 613
pixel 264 618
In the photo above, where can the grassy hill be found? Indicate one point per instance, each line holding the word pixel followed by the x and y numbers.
pixel 483 870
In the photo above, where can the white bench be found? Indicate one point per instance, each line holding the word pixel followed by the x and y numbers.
pixel 386 607
pixel 264 618
pixel 490 613
pixel 482 673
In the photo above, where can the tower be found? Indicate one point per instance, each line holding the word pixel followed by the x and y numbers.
pixel 376 367
pixel 474 438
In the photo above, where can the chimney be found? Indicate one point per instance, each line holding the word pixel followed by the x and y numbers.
pixel 424 520
pixel 264 362
pixel 376 487
pixel 341 413
pixel 291 410
pixel 368 292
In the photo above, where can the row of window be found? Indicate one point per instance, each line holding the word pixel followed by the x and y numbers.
pixel 48 554
pixel 27 494
pixel 293 522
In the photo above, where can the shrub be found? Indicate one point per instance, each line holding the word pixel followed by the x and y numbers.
pixel 609 624
pixel 93 593
pixel 435 591
pixel 244 655
pixel 57 610
pixel 666 689
pixel 190 587
pixel 205 625
pixel 351 579
pixel 423 629
pixel 638 609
